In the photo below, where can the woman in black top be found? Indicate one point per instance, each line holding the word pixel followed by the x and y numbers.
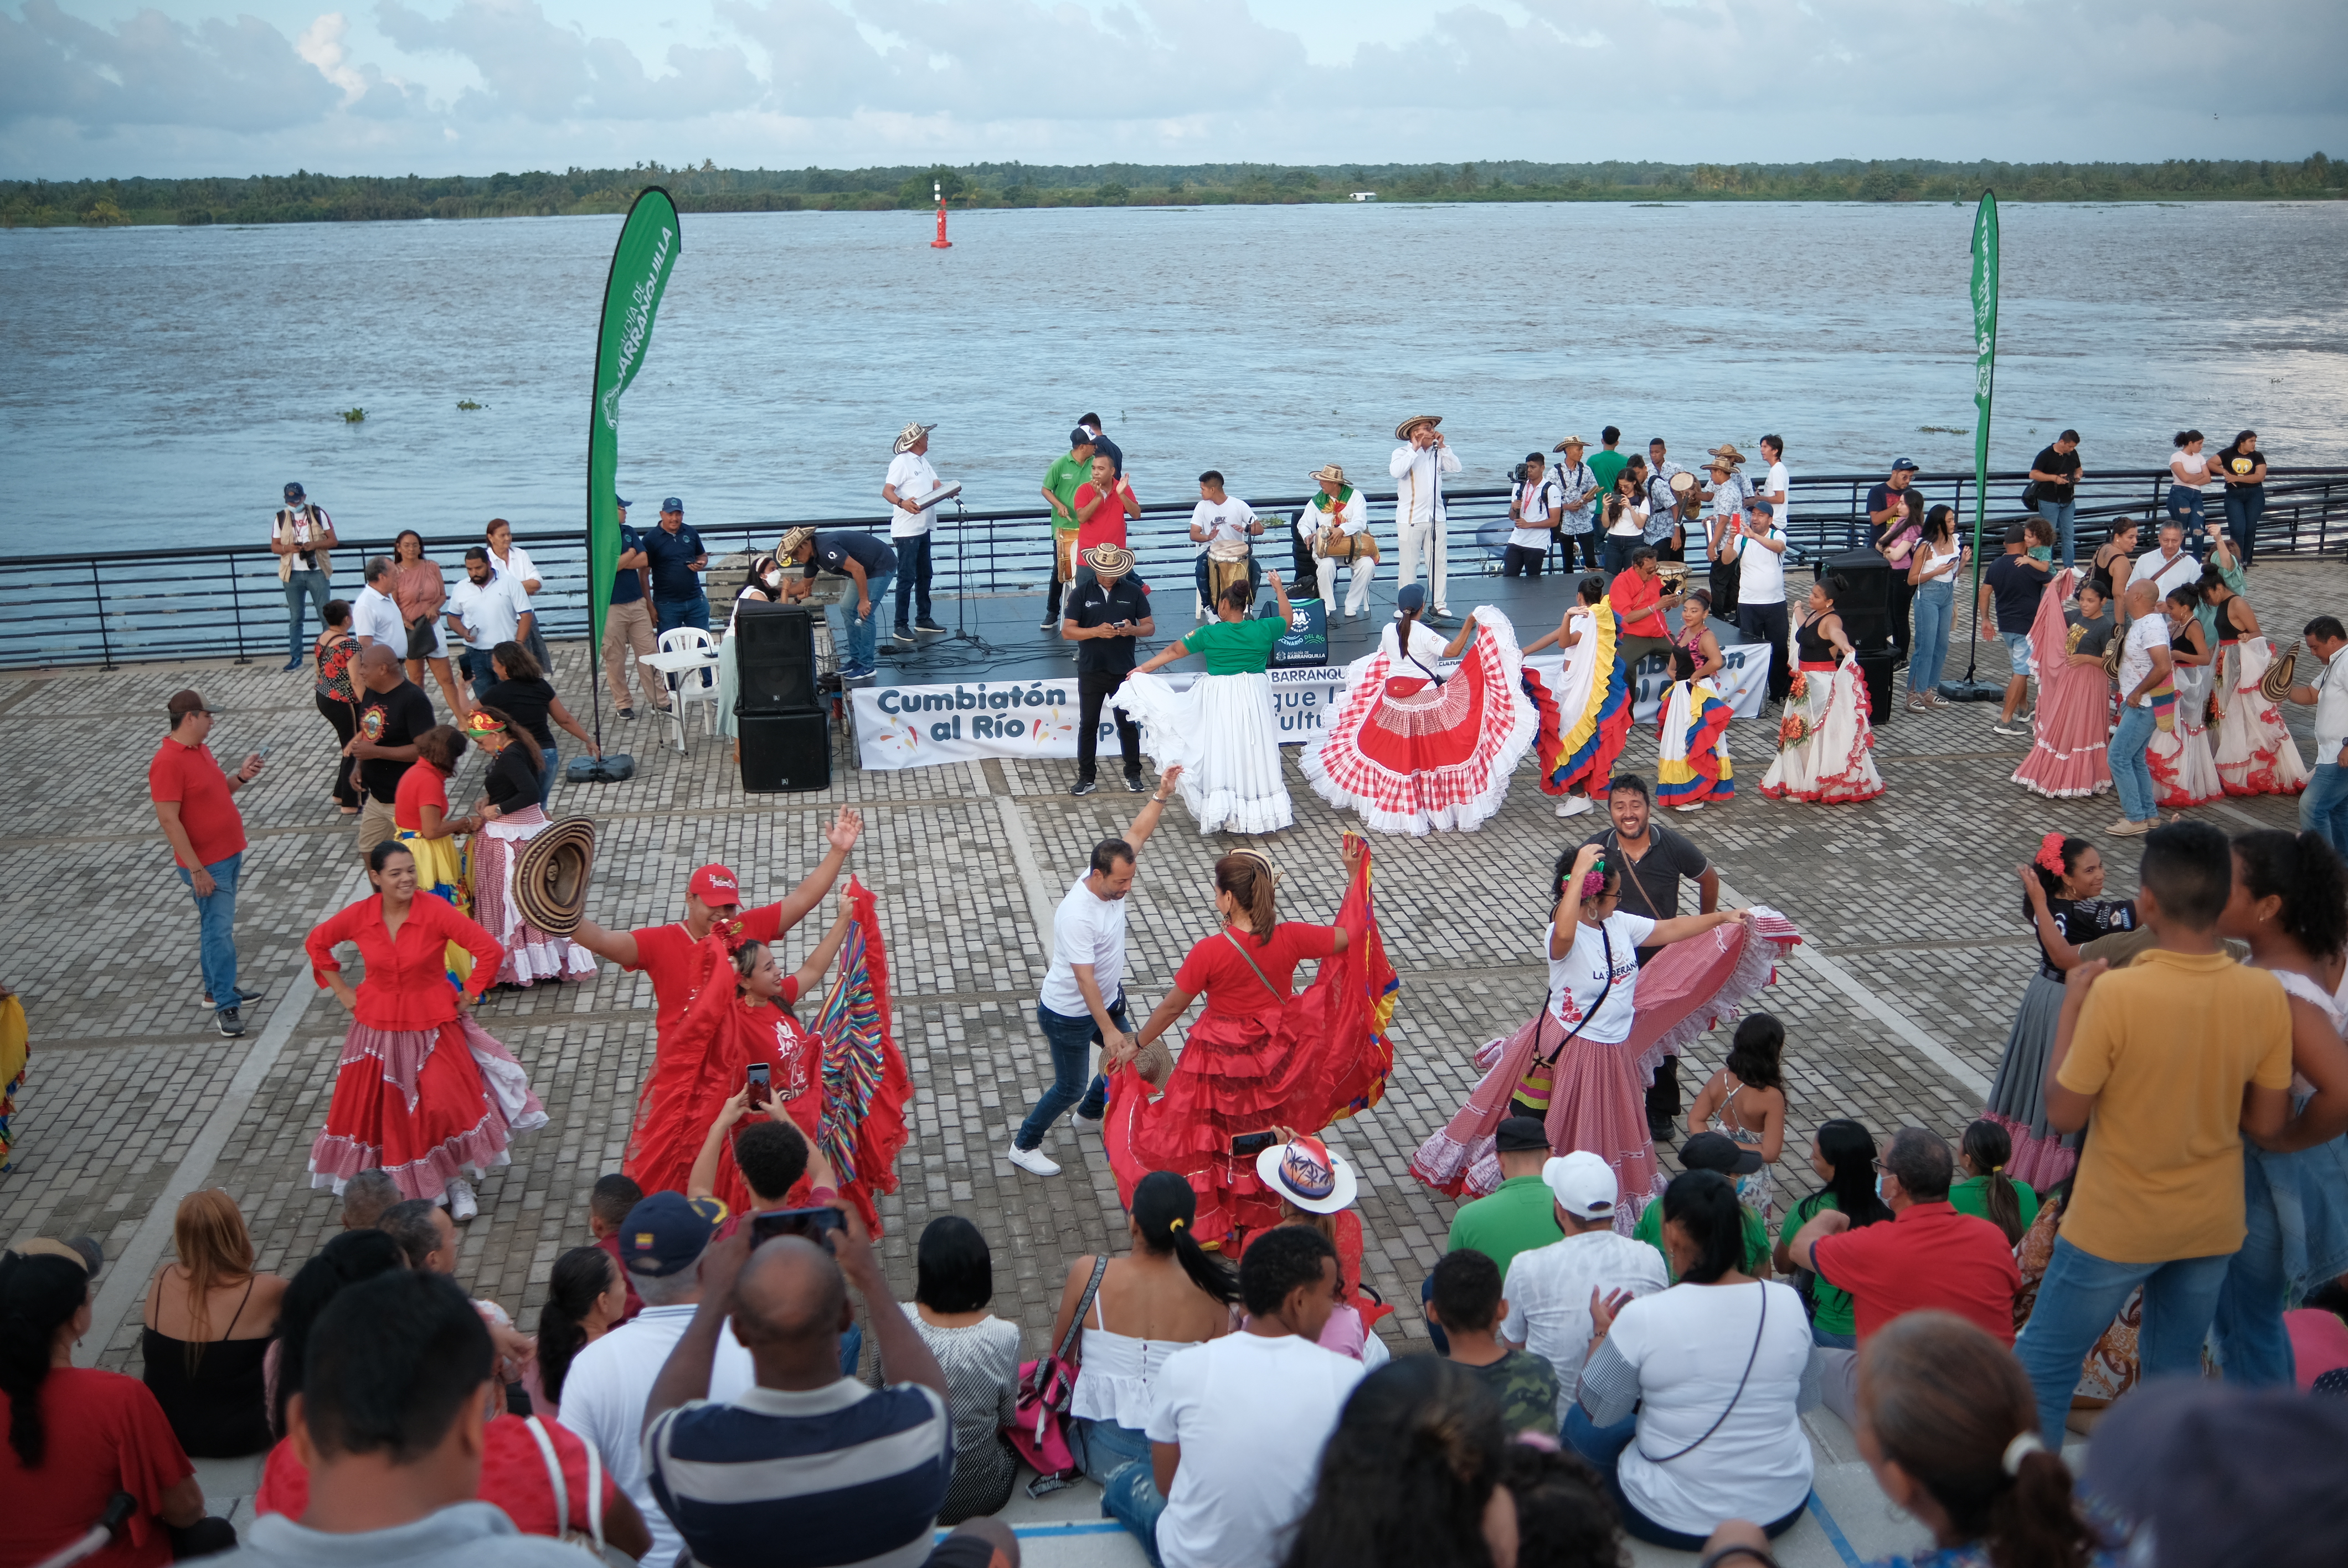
pixel 510 819
pixel 523 693
pixel 2243 468
pixel 515 765
pixel 2109 569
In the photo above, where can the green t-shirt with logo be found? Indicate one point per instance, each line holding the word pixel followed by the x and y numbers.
pixel 1236 647
pixel 1065 478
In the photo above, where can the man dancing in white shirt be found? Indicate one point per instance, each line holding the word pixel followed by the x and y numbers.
pixel 1417 468
pixel 1337 518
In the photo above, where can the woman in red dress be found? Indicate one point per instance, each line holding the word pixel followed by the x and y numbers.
pixel 1258 1057
pixel 423 1093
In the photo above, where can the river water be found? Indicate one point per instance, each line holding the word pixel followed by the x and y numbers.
pixel 164 384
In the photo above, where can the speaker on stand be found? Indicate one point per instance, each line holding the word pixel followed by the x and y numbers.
pixel 1864 607
pixel 784 730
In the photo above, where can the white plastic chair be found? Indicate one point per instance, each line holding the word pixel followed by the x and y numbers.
pixel 697 688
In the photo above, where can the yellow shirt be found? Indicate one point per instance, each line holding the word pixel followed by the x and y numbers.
pixel 2166 1045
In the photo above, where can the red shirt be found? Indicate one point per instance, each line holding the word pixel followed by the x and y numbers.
pixel 105 1434
pixel 1930 1256
pixel 188 775
pixel 1233 989
pixel 611 1244
pixel 419 786
pixel 1634 597
pixel 1106 525
pixel 407 980
pixel 677 965
pixel 513 1477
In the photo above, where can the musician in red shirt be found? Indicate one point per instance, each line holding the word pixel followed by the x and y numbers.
pixel 1637 597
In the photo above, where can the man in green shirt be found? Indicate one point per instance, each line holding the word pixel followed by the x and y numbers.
pixel 1607 463
pixel 1517 1216
pixel 1060 485
pixel 1713 1152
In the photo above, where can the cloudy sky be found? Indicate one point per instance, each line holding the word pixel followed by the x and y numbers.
pixel 97 88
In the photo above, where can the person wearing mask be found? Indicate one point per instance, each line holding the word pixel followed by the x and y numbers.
pixel 195 806
pixel 2054 474
pixel 77 1435
pixel 2144 668
pixel 910 479
pixel 1842 1157
pixel 2323 805
pixel 1578 490
pixel 1533 508
pixel 2242 467
pixel 510 560
pixel 206 1329
pixel 2013 583
pixel 300 536
pixel 1165 1294
pixel 523 694
pixel 1417 468
pixel 1334 526
pixel 954 1286
pixel 1065 477
pixel 485 609
pixel 864 560
pixel 628 636
pixel 1549 1288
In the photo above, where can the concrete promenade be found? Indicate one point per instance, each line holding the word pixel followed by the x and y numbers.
pixel 1896 1006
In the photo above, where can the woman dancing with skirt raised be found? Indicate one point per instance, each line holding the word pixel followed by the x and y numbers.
pixel 1825 748
pixel 1221 731
pixel 1581 726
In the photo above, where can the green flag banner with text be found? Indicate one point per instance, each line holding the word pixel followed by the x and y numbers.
pixel 1984 362
pixel 641 264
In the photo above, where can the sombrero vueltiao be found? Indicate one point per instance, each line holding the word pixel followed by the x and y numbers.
pixel 1402 431
pixel 1109 560
pixel 551 876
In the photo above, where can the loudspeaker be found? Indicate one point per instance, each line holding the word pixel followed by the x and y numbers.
pixel 1865 605
pixel 1875 667
pixel 784 751
pixel 774 657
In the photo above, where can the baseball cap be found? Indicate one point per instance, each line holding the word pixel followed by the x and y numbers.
pixel 1767 508
pixel 666 1233
pixel 1080 436
pixel 1582 1184
pixel 1411 595
pixel 294 492
pixel 622 500
pixel 1719 1152
pixel 716 885
pixel 1520 1135
pixel 81 1249
pixel 1905 466
pixel 671 505
pixel 183 704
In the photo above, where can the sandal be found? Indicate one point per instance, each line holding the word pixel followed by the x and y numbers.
pixel 1916 703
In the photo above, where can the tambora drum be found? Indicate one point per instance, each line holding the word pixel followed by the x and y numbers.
pixel 1227 563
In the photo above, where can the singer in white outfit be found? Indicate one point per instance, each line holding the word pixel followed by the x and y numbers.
pixel 1337 518
pixel 1417 468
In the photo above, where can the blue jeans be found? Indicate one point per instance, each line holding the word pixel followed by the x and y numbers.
pixel 1072 1040
pixel 303 589
pixel 2131 775
pixel 912 577
pixel 2064 516
pixel 215 927
pixel 550 764
pixel 860 632
pixel 1614 555
pixel 2323 805
pixel 2185 505
pixel 1130 1496
pixel 1101 1448
pixel 2077 1302
pixel 1827 1340
pixel 668 614
pixel 2251 1344
pixel 1927 655
pixel 2244 505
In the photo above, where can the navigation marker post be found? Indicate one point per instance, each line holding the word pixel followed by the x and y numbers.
pixel 941 243
pixel 641 264
pixel 1984 295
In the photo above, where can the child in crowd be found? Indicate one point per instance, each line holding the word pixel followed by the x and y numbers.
pixel 608 1202
pixel 1564 1518
pixel 1745 1101
pixel 1464 1297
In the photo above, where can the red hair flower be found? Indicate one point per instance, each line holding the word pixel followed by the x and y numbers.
pixel 2049 858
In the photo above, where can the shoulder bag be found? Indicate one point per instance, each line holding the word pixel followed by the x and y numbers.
pixel 1040 1431
pixel 1606 944
pixel 1240 947
pixel 1759 1329
pixel 590 1540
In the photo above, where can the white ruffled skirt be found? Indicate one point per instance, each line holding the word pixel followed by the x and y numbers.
pixel 1221 732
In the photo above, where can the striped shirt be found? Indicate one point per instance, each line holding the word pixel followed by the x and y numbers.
pixel 846 1476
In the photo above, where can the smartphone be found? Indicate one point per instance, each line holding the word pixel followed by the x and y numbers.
pixel 760 1078
pixel 812 1223
pixel 1249 1145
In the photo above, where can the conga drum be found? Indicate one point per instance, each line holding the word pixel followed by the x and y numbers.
pixel 1227 563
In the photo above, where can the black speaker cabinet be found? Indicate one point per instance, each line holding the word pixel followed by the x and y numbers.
pixel 1866 602
pixel 785 751
pixel 774 654
pixel 1875 667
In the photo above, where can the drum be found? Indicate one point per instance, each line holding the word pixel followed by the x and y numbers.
pixel 1674 576
pixel 1227 563
pixel 1683 488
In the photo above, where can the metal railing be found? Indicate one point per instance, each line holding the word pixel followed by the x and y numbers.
pixel 225 601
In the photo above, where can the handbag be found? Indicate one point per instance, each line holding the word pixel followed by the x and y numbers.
pixel 590 1540
pixel 1039 1427
pixel 421 643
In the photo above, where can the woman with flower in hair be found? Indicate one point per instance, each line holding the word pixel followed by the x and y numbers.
pixel 2063 899
pixel 1692 739
pixel 1220 731
pixel 1580 727
pixel 507 817
pixel 1825 748
pixel 1261 1057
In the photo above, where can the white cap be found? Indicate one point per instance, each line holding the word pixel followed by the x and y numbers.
pixel 1582 1184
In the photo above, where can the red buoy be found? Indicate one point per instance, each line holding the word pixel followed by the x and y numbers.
pixel 941 243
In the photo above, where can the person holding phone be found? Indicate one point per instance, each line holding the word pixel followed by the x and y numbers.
pixel 1104 618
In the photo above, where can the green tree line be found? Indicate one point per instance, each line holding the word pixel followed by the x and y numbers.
pixel 304 196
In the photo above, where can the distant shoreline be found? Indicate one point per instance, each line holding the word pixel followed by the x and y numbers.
pixel 305 197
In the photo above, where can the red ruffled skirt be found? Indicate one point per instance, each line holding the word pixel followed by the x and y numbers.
pixel 424 1106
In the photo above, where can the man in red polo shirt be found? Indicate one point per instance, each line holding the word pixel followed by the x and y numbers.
pixel 671 954
pixel 196 807
pixel 1931 1257
pixel 1637 597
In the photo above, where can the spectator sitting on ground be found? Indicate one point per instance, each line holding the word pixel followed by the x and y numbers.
pixel 605 1392
pixel 366 1196
pixel 427 1240
pixel 1464 1298
pixel 1948 1425
pixel 1714 1152
pixel 1237 1425
pixel 586 1298
pixel 1550 1288
pixel 77 1435
pixel 849 1473
pixel 608 1202
pixel 1410 1477
pixel 1164 1296
pixel 345 1259
pixel 1930 1256
pixel 1563 1520
pixel 954 1283
pixel 1842 1155
pixel 1316 1190
pixel 389 1427
pixel 1514 1217
pixel 1702 1367
pixel 1987 1192
pixel 205 1331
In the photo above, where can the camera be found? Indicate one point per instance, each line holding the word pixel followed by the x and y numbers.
pixel 812 1224
pixel 1518 473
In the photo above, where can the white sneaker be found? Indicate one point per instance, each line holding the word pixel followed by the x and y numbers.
pixel 461 1204
pixel 1692 805
pixel 1574 805
pixel 1035 1161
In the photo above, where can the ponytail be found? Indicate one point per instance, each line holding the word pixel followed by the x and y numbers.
pixel 1165 1207
pixel 1705 1204
pixel 580 1277
pixel 38 1296
pixel 1989 1147
pixel 1247 878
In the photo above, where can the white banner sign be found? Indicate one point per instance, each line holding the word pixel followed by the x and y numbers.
pixel 923 726
pixel 1743 681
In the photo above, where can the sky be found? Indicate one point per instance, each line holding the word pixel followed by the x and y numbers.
pixel 91 88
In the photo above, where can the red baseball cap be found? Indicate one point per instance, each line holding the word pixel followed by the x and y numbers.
pixel 716 886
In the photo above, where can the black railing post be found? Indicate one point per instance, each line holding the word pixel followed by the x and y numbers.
pixel 97 592
pixel 236 610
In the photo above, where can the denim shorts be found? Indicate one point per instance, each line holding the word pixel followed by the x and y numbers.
pixel 2017 651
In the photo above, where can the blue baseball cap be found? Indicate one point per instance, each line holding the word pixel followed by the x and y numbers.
pixel 671 505
pixel 1412 597
pixel 1905 464
pixel 622 500
pixel 666 1233
pixel 293 492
